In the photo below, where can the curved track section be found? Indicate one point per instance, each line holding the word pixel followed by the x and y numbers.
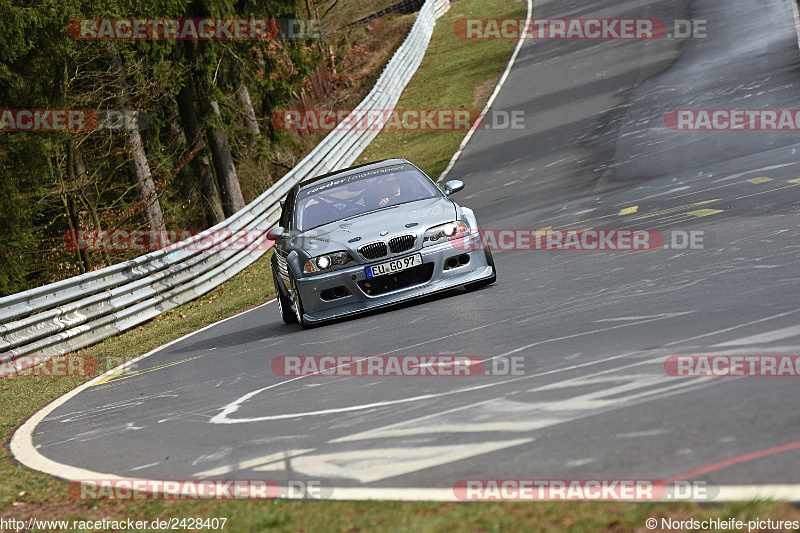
pixel 592 329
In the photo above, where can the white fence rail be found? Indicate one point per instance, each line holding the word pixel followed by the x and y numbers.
pixel 68 315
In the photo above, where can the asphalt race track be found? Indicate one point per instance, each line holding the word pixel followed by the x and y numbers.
pixel 592 329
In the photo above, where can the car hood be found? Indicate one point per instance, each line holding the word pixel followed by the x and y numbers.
pixel 404 219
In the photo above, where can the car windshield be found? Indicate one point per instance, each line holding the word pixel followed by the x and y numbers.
pixel 360 193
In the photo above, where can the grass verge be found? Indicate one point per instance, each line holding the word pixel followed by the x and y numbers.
pixel 449 80
pixel 22 395
pixel 445 81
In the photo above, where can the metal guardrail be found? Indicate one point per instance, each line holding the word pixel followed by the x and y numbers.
pixel 73 313
pixel 404 6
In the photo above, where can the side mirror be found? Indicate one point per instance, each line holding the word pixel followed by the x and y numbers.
pixel 453 186
pixel 276 234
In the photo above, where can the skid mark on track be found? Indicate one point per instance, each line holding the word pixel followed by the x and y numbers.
pixel 376 464
pixel 532 409
pixel 543 406
pixel 251 463
pixel 763 338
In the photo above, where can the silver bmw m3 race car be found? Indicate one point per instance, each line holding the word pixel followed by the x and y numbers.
pixel 372 236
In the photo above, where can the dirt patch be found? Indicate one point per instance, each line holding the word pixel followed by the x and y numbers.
pixel 483 91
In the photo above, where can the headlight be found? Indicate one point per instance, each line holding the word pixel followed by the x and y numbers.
pixel 451 230
pixel 325 262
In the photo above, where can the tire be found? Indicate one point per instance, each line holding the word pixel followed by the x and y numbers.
pixel 487 281
pixel 284 305
pixel 297 304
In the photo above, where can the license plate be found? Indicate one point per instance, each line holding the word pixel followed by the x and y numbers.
pixel 396 265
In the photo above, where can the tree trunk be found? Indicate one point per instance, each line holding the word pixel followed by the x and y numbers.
pixel 185 169
pixel 249 112
pixel 228 181
pixel 144 182
pixel 232 199
pixel 200 164
pixel 89 198
pixel 72 210
pixel 141 170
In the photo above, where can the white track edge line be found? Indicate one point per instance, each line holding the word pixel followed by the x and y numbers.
pixel 489 102
pixel 21 444
pixel 727 493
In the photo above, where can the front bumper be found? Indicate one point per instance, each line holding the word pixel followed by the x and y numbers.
pixel 316 309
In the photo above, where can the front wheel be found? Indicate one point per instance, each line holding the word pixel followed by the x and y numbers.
pixel 297 304
pixel 284 305
pixel 487 281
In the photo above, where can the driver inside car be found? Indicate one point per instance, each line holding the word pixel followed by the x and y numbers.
pixel 387 192
pixel 392 194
